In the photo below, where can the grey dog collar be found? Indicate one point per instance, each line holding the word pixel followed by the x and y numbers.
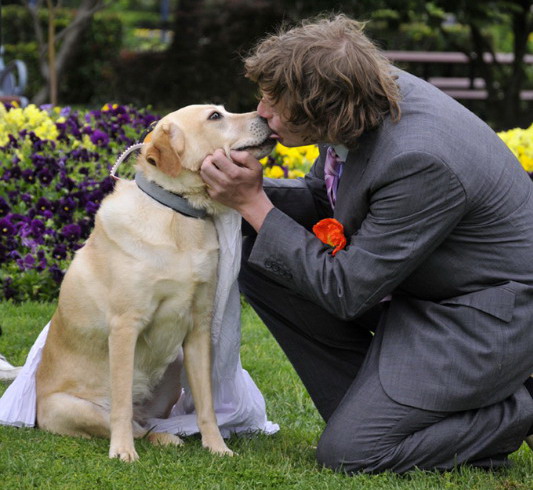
pixel 167 198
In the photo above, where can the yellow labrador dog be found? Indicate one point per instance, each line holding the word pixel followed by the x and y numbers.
pixel 141 288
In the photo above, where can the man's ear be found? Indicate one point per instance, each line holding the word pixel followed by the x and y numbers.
pixel 165 148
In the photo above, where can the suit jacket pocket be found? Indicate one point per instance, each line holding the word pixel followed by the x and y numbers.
pixel 450 355
pixel 497 301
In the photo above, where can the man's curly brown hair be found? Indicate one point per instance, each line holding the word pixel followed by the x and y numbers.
pixel 332 82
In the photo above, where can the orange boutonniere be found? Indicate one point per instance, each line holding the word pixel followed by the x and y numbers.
pixel 331 232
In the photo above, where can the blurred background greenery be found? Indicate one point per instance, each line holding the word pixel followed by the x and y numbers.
pixel 169 53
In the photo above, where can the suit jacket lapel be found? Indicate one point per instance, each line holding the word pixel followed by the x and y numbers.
pixel 350 207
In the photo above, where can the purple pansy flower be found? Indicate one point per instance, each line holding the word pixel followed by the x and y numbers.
pixel 41 266
pixel 56 273
pixel 14 255
pixel 91 207
pixel 28 175
pixel 43 205
pixel 26 263
pixel 37 228
pixel 45 176
pixel 7 228
pixel 4 207
pixel 65 207
pixel 26 198
pixel 71 232
pixel 86 225
pixel 60 252
pixel 12 173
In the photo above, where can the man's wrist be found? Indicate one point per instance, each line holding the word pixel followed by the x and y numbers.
pixel 256 212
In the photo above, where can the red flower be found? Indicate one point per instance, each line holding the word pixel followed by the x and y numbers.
pixel 331 232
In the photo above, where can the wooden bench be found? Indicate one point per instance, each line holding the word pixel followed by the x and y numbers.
pixel 470 87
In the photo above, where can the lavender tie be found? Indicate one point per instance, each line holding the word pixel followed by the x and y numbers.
pixel 332 174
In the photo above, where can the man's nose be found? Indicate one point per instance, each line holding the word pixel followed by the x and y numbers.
pixel 263 110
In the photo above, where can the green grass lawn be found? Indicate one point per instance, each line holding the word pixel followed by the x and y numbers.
pixel 30 458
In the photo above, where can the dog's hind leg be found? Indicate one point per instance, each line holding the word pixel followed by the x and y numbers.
pixel 164 439
pixel 66 414
pixel 167 392
pixel 164 397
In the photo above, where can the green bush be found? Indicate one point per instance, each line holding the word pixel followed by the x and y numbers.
pixel 88 71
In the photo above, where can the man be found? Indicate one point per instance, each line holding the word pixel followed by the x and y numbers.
pixel 415 340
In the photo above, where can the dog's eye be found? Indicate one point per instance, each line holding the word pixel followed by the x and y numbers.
pixel 214 116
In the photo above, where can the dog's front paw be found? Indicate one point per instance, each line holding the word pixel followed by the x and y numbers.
pixel 125 452
pixel 222 451
pixel 219 448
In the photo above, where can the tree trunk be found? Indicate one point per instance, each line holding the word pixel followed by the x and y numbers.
pixel 52 68
pixel 512 107
pixel 53 59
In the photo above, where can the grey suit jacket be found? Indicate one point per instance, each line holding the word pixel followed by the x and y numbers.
pixel 438 213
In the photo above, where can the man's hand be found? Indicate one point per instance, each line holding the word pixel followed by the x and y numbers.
pixel 237 184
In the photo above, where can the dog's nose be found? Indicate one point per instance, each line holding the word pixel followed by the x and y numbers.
pixel 260 123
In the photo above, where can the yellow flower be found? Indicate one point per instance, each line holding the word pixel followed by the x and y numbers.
pixel 520 142
pixel 47 131
pixel 295 161
pixel 275 172
pixel 108 107
pixel 527 163
pixel 15 118
pixel 31 118
pixel 87 143
pixel 294 174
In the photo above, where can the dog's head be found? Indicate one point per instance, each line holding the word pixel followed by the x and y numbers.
pixel 181 141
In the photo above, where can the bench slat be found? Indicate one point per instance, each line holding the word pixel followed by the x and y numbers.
pixel 449 57
pixel 476 94
pixel 457 82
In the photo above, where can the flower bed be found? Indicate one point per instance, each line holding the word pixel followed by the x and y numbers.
pixel 54 173
pixel 520 141
pixel 289 163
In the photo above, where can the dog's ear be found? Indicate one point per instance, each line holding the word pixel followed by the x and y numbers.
pixel 165 148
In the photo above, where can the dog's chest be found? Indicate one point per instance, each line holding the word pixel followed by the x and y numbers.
pixel 191 255
pixel 181 281
pixel 165 248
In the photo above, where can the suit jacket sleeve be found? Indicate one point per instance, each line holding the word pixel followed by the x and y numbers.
pixel 414 202
pixel 303 199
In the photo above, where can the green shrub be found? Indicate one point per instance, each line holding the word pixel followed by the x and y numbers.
pixel 88 71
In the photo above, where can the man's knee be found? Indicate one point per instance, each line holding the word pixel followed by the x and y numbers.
pixel 341 454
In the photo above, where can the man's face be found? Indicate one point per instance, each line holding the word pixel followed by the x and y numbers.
pixel 278 123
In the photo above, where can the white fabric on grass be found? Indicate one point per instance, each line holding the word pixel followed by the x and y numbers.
pixel 239 405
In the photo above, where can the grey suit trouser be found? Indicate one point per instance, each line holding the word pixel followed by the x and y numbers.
pixel 366 431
